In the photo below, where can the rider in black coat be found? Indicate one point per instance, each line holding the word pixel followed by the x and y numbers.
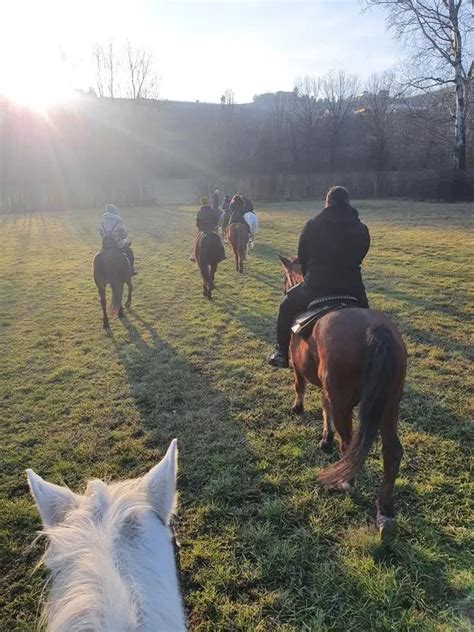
pixel 237 210
pixel 207 218
pixel 331 249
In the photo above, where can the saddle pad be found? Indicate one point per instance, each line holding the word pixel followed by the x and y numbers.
pixel 304 322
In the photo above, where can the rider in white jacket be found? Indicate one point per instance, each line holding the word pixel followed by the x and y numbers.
pixel 112 224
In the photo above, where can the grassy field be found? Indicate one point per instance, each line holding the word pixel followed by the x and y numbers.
pixel 263 548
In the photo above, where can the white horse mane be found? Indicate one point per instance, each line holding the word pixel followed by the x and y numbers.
pixel 111 554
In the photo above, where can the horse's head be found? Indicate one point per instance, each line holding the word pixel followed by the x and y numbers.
pixel 293 274
pixel 111 552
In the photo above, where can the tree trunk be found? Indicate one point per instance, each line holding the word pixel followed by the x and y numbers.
pixel 458 184
pixel 460 120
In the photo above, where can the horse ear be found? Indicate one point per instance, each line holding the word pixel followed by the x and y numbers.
pixel 285 261
pixel 160 483
pixel 53 501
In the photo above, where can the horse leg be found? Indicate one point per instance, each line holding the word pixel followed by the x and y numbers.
pixel 210 284
pixel 213 274
pixel 340 404
pixel 300 386
pixel 241 260
pixel 103 303
pixel 327 441
pixel 128 304
pixel 120 313
pixel 392 451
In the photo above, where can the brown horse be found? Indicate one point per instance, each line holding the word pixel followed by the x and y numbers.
pixel 209 252
pixel 238 236
pixel 112 267
pixel 356 356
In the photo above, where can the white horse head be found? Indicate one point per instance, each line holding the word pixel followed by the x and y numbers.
pixel 111 553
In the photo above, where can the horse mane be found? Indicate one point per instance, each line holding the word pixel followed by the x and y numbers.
pixel 86 556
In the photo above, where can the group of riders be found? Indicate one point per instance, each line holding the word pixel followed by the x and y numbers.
pixel 331 249
pixel 211 217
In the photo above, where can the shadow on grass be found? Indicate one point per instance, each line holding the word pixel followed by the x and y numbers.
pixel 427 556
pixel 218 478
pixel 428 414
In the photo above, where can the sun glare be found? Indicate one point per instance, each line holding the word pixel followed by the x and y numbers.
pixel 38 95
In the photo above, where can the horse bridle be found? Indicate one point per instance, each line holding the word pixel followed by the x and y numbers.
pixel 176 547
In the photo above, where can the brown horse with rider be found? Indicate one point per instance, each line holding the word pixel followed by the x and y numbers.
pixel 356 355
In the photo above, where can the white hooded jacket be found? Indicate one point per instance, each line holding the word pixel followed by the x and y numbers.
pixel 112 224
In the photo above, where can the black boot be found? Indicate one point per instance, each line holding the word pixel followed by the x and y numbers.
pixel 278 359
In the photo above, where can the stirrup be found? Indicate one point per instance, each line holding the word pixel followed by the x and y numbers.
pixel 278 359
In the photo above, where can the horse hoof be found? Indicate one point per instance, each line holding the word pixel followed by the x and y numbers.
pixel 387 528
pixel 345 487
pixel 297 409
pixel 326 445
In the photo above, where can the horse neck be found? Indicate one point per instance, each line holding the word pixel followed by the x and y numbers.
pixel 120 585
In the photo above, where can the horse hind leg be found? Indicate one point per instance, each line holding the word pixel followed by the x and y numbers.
pixel 327 442
pixel 300 387
pixel 392 452
pixel 338 404
pixel 213 275
pixel 241 260
pixel 128 304
pixel 103 303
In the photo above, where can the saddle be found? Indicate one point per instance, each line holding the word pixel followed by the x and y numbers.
pixel 304 322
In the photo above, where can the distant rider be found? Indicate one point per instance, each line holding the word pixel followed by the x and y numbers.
pixel 207 218
pixel 216 200
pixel 207 221
pixel 236 213
pixel 226 204
pixel 112 224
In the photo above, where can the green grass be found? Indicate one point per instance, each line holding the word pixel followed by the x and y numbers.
pixel 263 547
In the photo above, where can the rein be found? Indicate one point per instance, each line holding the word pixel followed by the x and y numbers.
pixel 290 281
pixel 176 547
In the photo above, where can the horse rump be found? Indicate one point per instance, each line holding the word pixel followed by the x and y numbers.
pixel 209 253
pixel 377 384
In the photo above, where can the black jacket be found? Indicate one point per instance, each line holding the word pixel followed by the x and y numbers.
pixel 237 216
pixel 331 249
pixel 207 218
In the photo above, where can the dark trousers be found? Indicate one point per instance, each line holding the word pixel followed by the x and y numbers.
pixel 295 302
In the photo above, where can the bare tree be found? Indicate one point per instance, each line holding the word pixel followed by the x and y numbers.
pixel 99 71
pixel 107 67
pixel 143 79
pixel 307 112
pixel 438 31
pixel 376 111
pixel 339 92
pixel 228 98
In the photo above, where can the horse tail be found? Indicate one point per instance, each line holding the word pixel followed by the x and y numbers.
pixel 203 261
pixel 378 374
pixel 117 291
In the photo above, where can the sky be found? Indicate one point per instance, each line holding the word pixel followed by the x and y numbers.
pixel 201 48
